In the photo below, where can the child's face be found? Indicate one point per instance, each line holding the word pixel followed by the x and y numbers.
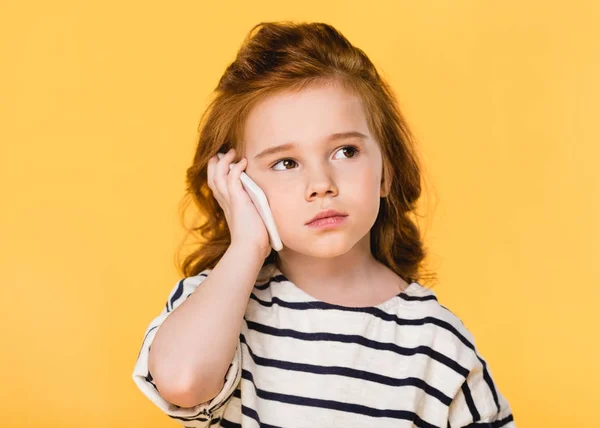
pixel 317 174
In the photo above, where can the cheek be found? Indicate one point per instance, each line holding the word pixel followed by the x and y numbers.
pixel 281 202
pixel 365 186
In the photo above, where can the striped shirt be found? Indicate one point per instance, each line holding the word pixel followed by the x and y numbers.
pixel 301 363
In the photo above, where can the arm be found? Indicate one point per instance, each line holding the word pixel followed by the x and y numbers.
pixel 479 403
pixel 194 346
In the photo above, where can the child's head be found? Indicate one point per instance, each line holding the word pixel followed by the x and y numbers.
pixel 326 170
pixel 303 83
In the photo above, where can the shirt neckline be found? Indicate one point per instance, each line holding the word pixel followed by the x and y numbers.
pixel 413 289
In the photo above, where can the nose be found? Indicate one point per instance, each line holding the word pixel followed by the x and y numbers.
pixel 320 183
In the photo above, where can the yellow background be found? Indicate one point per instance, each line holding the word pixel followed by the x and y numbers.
pixel 100 103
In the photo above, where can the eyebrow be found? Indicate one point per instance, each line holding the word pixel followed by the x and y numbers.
pixel 333 137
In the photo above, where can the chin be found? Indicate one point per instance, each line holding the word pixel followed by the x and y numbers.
pixel 326 247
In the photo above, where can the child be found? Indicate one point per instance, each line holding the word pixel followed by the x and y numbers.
pixel 334 330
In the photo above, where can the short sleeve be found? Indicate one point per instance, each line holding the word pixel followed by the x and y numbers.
pixel 479 403
pixel 201 414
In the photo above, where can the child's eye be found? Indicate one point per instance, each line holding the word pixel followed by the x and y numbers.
pixel 352 149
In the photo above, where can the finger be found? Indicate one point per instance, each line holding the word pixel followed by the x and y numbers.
pixel 221 173
pixel 233 179
pixel 210 173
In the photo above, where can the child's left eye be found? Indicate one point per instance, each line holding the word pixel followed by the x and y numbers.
pixel 353 149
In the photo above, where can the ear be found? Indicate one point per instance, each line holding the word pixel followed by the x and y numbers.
pixel 386 175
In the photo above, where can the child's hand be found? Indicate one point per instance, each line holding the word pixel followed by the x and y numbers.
pixel 245 224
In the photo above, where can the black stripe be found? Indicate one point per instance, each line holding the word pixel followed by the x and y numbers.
pixel 470 403
pixel 179 291
pixel 359 340
pixel 215 421
pixel 385 316
pixel 410 298
pixel 490 382
pixel 144 341
pixel 191 418
pixel 251 413
pixel 348 372
pixel 237 393
pixel 493 424
pixel 228 424
pixel 263 286
pixel 336 405
pixel 177 294
pixel 150 380
pixel 502 422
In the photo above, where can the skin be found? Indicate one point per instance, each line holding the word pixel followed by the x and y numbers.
pixel 316 175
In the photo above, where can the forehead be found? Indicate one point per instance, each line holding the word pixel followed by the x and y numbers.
pixel 306 117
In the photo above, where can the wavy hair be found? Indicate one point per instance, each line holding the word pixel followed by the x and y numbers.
pixel 287 56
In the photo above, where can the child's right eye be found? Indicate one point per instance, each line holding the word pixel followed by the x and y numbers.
pixel 282 160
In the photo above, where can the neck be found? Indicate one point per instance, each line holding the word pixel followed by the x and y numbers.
pixel 349 272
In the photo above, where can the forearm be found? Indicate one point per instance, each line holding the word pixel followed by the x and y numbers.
pixel 194 346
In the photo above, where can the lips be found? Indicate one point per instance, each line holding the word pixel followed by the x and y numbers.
pixel 327 213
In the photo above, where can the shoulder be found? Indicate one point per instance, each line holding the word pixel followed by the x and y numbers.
pixel 454 323
pixel 427 301
pixel 446 330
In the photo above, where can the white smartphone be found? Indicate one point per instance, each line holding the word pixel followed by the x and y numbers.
pixel 262 205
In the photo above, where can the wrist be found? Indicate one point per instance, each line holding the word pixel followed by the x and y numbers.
pixel 247 253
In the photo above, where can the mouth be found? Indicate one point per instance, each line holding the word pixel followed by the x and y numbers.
pixel 327 216
pixel 328 222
